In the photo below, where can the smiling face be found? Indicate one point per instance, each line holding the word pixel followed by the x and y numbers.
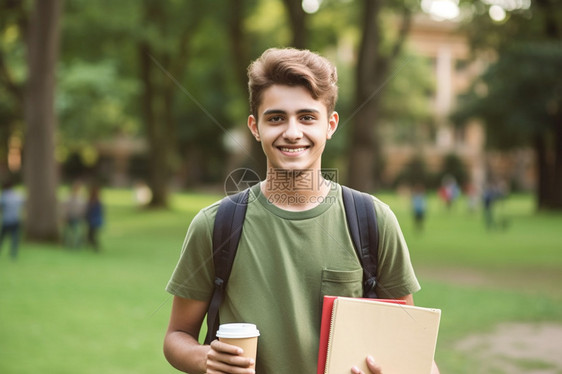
pixel 293 128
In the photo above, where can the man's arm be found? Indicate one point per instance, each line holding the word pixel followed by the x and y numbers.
pixel 375 368
pixel 183 351
pixel 181 348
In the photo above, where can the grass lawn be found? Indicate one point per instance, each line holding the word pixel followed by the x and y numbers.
pixel 64 311
pixel 479 277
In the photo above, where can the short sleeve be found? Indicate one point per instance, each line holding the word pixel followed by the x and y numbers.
pixel 395 273
pixel 194 273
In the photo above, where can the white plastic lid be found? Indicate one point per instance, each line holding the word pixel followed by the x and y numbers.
pixel 237 330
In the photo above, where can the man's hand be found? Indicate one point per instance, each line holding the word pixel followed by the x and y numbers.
pixel 373 367
pixel 376 369
pixel 226 358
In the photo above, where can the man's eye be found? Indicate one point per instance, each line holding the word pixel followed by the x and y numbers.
pixel 276 119
pixel 308 118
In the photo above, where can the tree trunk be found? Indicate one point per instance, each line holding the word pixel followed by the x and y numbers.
pixel 556 198
pixel 551 22
pixel 239 43
pixel 161 69
pixel 298 19
pixel 156 128
pixel 549 189
pixel 39 162
pixel 543 173
pixel 365 159
pixel 364 143
pixel 241 57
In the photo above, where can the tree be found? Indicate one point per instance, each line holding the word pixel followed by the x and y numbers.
pixel 163 53
pixel 40 118
pixel 522 106
pixel 519 96
pixel 373 66
pixel 91 102
pixel 97 88
pixel 298 21
pixel 13 31
pixel 159 70
pixel 240 41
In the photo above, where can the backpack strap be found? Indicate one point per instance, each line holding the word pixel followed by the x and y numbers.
pixel 227 230
pixel 362 223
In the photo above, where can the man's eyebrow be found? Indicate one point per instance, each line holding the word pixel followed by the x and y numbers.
pixel 274 111
pixel 280 111
pixel 308 111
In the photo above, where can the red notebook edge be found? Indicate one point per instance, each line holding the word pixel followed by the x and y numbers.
pixel 327 306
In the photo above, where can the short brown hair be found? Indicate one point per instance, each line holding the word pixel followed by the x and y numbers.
pixel 293 67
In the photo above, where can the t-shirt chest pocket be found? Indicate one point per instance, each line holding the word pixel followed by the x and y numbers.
pixel 347 283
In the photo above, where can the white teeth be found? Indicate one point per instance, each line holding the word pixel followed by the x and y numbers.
pixel 292 150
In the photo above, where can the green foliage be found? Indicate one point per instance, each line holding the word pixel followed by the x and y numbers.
pixel 100 29
pixel 525 22
pixel 332 25
pixel 99 85
pixel 269 18
pixel 13 70
pixel 405 108
pixel 92 102
pixel 519 96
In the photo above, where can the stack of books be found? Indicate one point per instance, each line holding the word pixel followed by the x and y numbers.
pixel 401 338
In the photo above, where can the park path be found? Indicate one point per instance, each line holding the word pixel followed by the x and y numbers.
pixel 517 348
pixel 510 348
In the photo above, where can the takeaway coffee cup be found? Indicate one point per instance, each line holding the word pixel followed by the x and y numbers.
pixel 243 335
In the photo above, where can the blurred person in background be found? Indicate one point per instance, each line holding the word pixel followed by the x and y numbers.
pixel 449 190
pixel 74 210
pixel 419 205
pixel 11 203
pixel 94 217
pixel 494 192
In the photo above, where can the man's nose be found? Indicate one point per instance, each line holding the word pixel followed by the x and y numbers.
pixel 293 130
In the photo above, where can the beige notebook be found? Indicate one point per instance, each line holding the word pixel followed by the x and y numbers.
pixel 401 338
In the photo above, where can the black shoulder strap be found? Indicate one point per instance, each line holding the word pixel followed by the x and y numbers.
pixel 362 223
pixel 227 230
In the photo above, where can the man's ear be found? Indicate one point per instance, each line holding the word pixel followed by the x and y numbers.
pixel 332 124
pixel 253 126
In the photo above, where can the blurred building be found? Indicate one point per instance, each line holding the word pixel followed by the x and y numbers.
pixel 448 52
pixel 122 159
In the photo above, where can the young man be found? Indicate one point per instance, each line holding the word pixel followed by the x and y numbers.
pixel 295 246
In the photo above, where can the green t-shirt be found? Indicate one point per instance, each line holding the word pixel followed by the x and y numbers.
pixel 286 262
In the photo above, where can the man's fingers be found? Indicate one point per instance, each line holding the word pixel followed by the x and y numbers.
pixel 219 367
pixel 373 366
pixel 227 358
pixel 219 346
